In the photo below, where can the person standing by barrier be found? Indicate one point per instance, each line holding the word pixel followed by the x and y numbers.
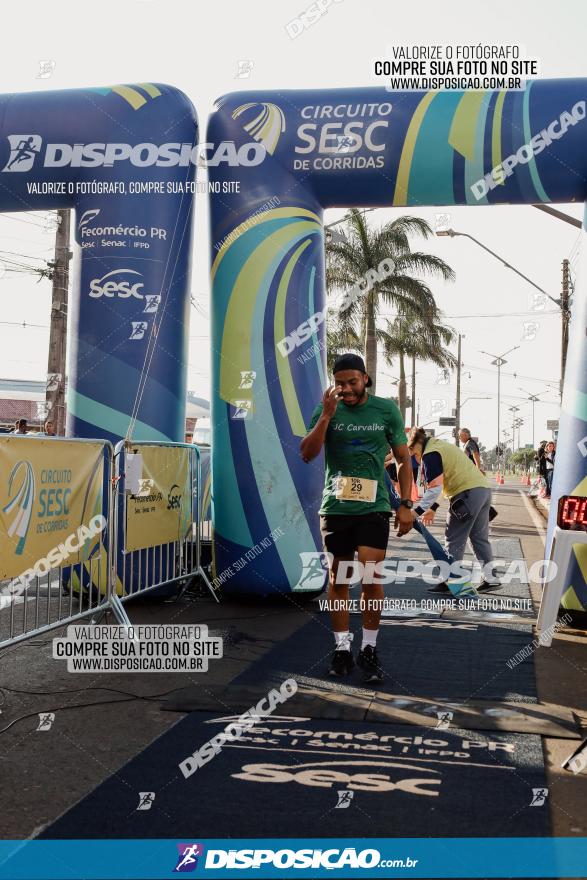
pixel 536 486
pixel 356 429
pixel 470 448
pixel 20 427
pixel 548 459
pixel 541 455
pixel 448 471
pixel 49 429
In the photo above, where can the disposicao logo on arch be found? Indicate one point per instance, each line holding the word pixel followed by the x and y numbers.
pixel 21 501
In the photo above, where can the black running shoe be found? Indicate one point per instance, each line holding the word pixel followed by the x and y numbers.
pixel 342 663
pixel 368 660
pixel 486 586
pixel 439 588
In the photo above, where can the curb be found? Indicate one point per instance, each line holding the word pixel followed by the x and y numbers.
pixel 542 505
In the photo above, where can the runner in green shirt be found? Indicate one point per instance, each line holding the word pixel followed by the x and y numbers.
pixel 355 509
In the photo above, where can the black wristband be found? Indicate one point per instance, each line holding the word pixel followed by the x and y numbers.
pixel 419 510
pixel 434 506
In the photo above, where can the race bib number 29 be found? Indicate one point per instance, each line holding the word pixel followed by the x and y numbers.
pixel 356 489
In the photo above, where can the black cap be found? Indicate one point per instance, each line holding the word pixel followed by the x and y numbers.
pixel 351 362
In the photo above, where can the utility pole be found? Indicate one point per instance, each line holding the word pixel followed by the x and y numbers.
pixel 458 400
pixel 565 322
pixel 533 399
pixel 413 391
pixel 55 393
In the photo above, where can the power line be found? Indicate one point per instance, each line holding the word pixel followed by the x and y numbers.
pixel 23 324
pixel 26 222
pixel 441 315
pixel 515 375
pixel 26 256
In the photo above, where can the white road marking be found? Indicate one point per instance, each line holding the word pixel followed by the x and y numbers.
pixel 535 517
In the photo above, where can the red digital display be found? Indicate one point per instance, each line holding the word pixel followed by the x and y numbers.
pixel 572 512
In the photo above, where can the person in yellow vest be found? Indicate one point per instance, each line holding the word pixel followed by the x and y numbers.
pixel 446 469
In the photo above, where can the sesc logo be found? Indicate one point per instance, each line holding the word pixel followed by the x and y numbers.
pixel 24 149
pixel 173 499
pixel 357 775
pixel 111 285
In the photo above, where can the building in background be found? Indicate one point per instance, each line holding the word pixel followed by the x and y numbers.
pixel 25 398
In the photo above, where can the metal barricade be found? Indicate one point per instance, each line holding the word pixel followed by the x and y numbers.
pixel 108 571
pixel 47 595
pixel 145 565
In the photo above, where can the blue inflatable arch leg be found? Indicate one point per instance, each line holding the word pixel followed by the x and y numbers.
pixel 124 158
pixel 342 148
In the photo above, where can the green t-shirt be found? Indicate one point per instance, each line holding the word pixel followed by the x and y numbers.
pixel 357 440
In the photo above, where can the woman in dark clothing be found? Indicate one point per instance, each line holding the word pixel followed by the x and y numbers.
pixel 548 465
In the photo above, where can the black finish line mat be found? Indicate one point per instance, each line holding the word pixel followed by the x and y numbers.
pixel 297 777
pixel 302 776
pixel 439 659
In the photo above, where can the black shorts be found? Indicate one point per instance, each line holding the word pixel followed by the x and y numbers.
pixel 342 534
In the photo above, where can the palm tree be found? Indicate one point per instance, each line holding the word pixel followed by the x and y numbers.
pixel 340 339
pixel 347 265
pixel 416 338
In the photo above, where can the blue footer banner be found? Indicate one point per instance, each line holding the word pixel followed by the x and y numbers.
pixel 334 858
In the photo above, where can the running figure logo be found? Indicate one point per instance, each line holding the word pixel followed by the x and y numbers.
pixel 539 796
pixel 247 378
pixel 146 800
pixel 24 149
pixel 344 799
pixel 444 719
pixel 46 720
pixel 314 570
pixel 139 328
pixel 188 856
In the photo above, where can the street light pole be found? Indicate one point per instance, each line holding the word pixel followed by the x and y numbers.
pixel 533 398
pixel 458 400
pixel 499 363
pixel 562 303
pixel 452 234
pixel 513 410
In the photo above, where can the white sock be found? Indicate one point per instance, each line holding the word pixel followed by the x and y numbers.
pixel 343 640
pixel 369 638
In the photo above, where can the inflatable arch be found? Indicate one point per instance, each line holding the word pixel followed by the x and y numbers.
pixel 339 148
pixel 100 151
pixel 130 304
